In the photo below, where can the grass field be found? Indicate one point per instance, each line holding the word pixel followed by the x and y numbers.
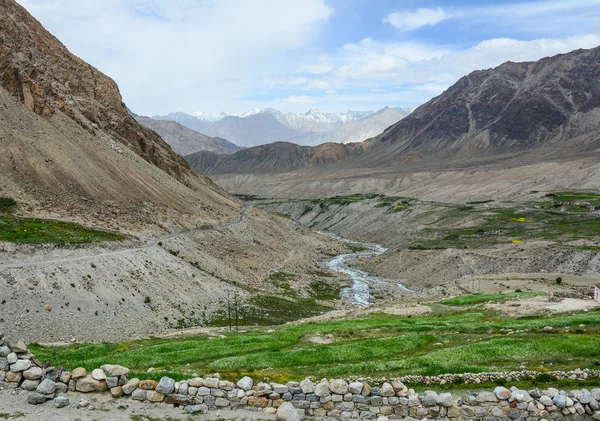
pixel 27 230
pixel 449 341
pixel 473 299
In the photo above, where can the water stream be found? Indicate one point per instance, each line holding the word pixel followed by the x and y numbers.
pixel 359 292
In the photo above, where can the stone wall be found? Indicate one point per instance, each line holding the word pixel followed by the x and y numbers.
pixel 336 398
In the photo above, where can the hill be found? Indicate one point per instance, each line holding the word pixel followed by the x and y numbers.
pixel 185 141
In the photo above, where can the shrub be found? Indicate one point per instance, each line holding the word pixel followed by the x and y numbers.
pixel 559 280
pixel 7 204
pixel 545 377
pixel 147 300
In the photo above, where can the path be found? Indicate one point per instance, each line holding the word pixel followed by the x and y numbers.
pixel 246 210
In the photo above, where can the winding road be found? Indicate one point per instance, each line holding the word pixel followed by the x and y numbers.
pixel 246 210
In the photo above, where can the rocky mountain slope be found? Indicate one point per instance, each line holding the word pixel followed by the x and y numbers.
pixel 256 129
pixel 521 113
pixel 185 141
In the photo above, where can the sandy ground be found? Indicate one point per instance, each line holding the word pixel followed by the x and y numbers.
pixel 14 405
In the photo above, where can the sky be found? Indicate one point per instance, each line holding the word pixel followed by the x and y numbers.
pixel 293 55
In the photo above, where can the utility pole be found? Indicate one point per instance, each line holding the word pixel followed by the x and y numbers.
pixel 236 311
pixel 229 309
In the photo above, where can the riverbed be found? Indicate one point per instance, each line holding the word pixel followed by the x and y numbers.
pixel 359 292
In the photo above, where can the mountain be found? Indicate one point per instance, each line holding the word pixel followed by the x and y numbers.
pixel 195 123
pixel 516 112
pixel 255 129
pixel 272 158
pixel 70 145
pixel 185 141
pixel 71 152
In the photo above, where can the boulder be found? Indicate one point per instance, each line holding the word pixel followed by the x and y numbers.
pixel 211 382
pixel 197 382
pixel 12 358
pixel 307 386
pixel 322 389
pixel 165 385
pixel 12 377
pixel 387 390
pixel 33 373
pixel 4 351
pixel 61 401
pixel 88 384
pixel 30 385
pixel 139 395
pixel 36 399
pixel 46 387
pixel 116 392
pixel 355 388
pixel 338 386
pixel 154 396
pixel 445 399
pixel 560 401
pixel 486 397
pixel 147 384
pixel 17 346
pixel 130 386
pixel 20 365
pixel 78 373
pixel 502 393
pixel 98 374
pixel 245 383
pixel 197 409
pixel 287 412
pixel 221 402
pixel 258 402
pixel 115 370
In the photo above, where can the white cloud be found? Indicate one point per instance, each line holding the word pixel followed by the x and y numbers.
pixel 187 54
pixel 409 21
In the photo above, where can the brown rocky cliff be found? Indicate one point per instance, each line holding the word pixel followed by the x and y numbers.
pixel 39 70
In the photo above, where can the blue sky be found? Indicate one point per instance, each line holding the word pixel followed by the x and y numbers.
pixel 235 55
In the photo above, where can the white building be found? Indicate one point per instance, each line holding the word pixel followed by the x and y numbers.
pixel 597 292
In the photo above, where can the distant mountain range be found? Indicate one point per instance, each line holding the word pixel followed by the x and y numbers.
pixel 258 127
pixel 516 112
pixel 184 140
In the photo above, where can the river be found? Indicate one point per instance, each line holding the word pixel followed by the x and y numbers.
pixel 359 292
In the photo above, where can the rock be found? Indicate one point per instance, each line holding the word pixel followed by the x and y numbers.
pixel 12 358
pixel 502 393
pixel 4 351
pixel 560 401
pixel 98 374
pixel 46 387
pixel 245 383
pixel 322 389
pixel 36 399
pixel 258 402
pixel 221 402
pixel 130 386
pixel 486 397
pixel 115 370
pixel 197 409
pixel 547 329
pixel 545 400
pixel 116 392
pixel 61 401
pixel 147 384
pixel 338 386
pixel 78 373
pixel 154 396
pixel 211 382
pixel 287 412
pixel 355 388
pixel 366 389
pixel 112 381
pixel 165 385
pixel 17 346
pixel 88 384
pixel 33 373
pixel 387 390
pixel 139 395
pixel 30 385
pixel 445 400
pixel 83 403
pixel 12 377
pixel 197 382
pixel 307 386
pixel 20 365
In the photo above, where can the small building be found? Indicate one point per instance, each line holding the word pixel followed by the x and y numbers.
pixel 597 292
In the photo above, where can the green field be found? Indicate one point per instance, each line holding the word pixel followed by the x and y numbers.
pixel 448 341
pixel 27 230
pixel 474 299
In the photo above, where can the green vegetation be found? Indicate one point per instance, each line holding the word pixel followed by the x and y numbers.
pixel 7 204
pixel 345 200
pixel 325 290
pixel 248 197
pixel 356 248
pixel 376 345
pixel 473 299
pixel 26 230
pixel 282 280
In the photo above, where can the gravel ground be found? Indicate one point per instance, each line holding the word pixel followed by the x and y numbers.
pixel 13 405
